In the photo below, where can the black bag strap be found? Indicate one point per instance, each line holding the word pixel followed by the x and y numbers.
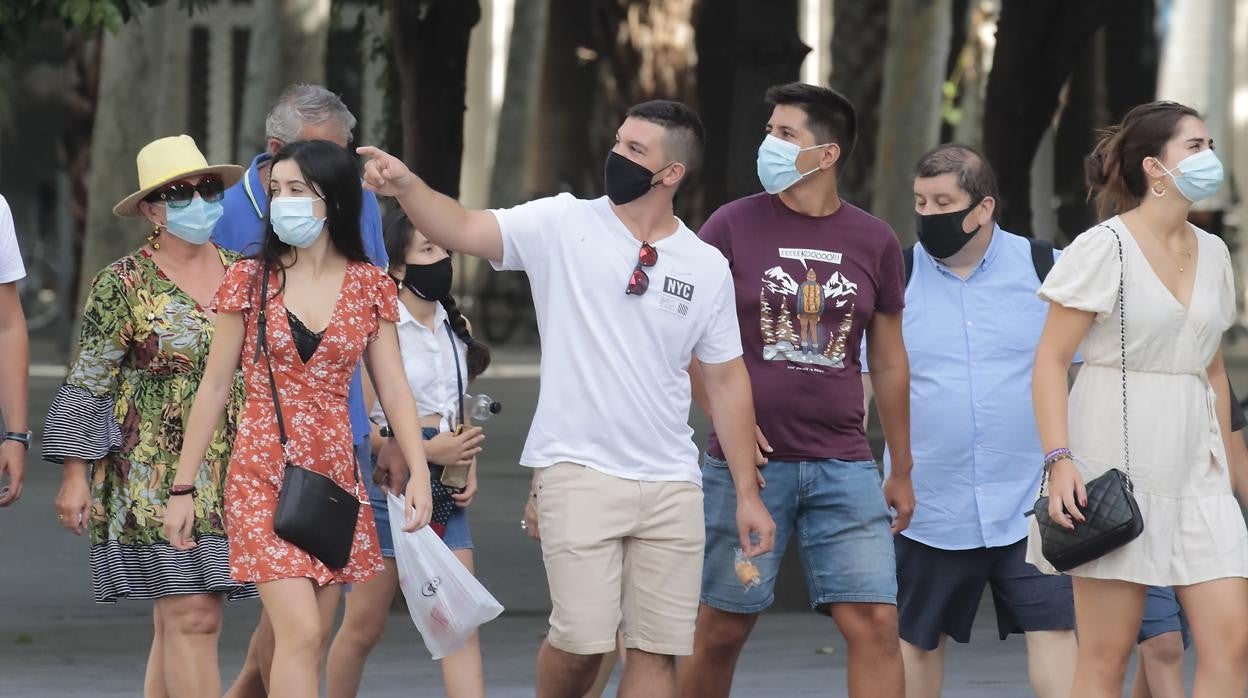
pixel 459 376
pixel 1041 259
pixel 1122 340
pixel 262 347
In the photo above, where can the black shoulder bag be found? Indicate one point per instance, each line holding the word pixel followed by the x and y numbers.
pixel 1112 517
pixel 313 512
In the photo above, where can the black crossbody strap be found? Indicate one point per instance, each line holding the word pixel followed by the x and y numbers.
pixel 1122 339
pixel 459 376
pixel 262 347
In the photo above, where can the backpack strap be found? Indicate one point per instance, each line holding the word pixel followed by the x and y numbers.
pixel 1041 257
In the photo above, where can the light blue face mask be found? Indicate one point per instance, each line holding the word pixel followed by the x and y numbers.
pixel 195 221
pixel 1197 176
pixel 777 163
pixel 294 222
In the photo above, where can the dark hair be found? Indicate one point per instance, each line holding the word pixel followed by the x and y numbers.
pixel 829 115
pixel 331 172
pixel 397 234
pixel 1115 167
pixel 975 175
pixel 683 135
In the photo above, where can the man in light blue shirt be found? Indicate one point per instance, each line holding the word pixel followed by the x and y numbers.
pixel 302 112
pixel 971 327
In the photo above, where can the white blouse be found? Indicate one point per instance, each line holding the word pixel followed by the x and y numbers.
pixel 430 366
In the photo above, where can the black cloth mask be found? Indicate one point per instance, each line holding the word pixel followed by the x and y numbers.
pixel 431 282
pixel 942 234
pixel 625 180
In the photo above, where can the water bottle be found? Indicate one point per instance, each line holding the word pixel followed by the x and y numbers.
pixel 481 407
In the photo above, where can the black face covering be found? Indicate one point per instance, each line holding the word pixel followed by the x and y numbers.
pixel 625 180
pixel 431 282
pixel 942 234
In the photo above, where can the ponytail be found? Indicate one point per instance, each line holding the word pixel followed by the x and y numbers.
pixel 1114 170
pixel 478 354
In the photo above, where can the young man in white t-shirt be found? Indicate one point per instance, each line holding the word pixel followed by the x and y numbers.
pixel 15 348
pixel 625 294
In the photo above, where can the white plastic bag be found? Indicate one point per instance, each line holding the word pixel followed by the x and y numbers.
pixel 446 602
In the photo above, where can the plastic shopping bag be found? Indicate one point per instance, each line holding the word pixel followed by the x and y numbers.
pixel 445 601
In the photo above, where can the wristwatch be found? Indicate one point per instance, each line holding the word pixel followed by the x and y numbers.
pixel 22 437
pixel 386 432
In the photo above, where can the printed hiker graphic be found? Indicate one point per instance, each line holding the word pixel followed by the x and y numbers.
pixel 805 343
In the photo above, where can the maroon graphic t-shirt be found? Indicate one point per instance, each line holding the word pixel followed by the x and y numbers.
pixel 806 289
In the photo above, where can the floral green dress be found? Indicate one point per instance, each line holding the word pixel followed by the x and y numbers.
pixel 123 408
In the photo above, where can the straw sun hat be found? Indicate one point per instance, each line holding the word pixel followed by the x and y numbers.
pixel 166 160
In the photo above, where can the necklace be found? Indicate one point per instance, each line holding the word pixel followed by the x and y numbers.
pixel 1180 258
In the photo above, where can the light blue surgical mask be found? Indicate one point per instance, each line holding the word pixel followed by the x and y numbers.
pixel 195 221
pixel 294 222
pixel 777 163
pixel 1197 176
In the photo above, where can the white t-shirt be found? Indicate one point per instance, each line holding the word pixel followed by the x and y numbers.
pixel 430 367
pixel 11 267
pixel 615 390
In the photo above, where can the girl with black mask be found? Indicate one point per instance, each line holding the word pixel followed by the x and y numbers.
pixel 440 357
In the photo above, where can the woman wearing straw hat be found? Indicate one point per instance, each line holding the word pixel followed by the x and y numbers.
pixel 117 423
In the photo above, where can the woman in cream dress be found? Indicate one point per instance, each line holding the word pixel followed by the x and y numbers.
pixel 1179 297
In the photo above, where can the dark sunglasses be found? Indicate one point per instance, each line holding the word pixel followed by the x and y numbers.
pixel 639 281
pixel 180 194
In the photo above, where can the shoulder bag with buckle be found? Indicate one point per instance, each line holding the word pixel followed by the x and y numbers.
pixel 313 512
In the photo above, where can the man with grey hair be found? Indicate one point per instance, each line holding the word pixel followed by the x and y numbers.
pixel 303 112
pixel 971 328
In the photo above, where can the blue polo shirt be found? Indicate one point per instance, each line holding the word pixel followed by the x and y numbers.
pixel 971 344
pixel 241 228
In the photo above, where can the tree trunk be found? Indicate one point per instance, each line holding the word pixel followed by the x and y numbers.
pixel 914 63
pixel 287 44
pixel 744 48
pixel 142 97
pixel 859 35
pixel 645 51
pixel 430 42
pixel 1038 45
pixel 518 114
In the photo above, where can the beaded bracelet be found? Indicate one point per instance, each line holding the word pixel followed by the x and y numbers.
pixel 1055 455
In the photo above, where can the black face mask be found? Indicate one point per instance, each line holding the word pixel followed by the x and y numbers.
pixel 625 180
pixel 431 282
pixel 942 234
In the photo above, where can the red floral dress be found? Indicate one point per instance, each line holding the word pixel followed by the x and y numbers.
pixel 314 407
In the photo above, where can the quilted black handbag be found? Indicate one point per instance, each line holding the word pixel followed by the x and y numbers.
pixel 313 512
pixel 1111 518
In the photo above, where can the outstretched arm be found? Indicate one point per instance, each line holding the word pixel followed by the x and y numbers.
pixel 438 217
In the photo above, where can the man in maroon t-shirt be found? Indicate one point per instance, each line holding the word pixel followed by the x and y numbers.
pixel 794 248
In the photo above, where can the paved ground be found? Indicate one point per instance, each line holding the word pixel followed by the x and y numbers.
pixel 55 642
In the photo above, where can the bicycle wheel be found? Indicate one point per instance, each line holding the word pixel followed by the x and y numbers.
pixel 499 307
pixel 40 294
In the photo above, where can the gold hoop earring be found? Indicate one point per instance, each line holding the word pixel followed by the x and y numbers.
pixel 1159 188
pixel 151 239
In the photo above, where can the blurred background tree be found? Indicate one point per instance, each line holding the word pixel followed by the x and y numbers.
pixel 498 101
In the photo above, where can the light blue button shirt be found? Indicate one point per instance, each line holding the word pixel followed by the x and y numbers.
pixel 977 458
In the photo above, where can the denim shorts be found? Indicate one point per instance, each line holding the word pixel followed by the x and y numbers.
pixel 837 510
pixel 1163 614
pixel 940 591
pixel 457 536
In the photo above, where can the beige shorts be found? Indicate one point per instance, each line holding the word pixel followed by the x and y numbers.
pixel 620 554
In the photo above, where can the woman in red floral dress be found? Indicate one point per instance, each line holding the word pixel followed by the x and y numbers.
pixel 318 278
